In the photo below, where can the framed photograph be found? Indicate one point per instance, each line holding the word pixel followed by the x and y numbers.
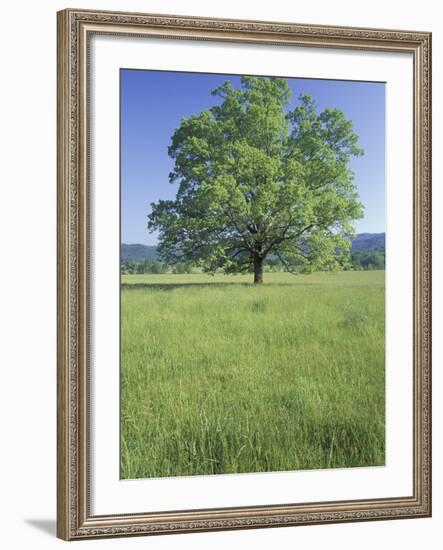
pixel 244 248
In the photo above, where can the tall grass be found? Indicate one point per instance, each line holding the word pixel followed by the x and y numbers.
pixel 221 376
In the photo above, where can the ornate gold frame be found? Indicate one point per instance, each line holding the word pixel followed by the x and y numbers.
pixel 74 518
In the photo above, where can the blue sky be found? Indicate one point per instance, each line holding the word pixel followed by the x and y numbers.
pixel 154 102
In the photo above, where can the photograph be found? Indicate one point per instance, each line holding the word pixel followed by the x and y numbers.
pixel 252 274
pixel 243 273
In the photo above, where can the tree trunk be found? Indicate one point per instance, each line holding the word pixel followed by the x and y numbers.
pixel 258 270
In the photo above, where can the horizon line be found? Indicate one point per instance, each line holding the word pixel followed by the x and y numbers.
pixel 156 244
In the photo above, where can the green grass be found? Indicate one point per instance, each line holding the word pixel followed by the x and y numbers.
pixel 221 376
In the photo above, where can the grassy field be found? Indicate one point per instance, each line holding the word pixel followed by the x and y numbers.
pixel 221 376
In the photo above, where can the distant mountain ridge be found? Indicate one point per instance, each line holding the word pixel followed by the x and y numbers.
pixel 368 241
pixel 142 252
pixel 138 252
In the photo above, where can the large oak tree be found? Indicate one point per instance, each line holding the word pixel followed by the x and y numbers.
pixel 257 179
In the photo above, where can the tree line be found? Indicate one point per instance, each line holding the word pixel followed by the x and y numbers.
pixel 133 267
pixel 362 260
pixel 366 260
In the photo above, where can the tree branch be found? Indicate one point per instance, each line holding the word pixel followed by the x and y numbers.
pixel 285 263
pixel 284 238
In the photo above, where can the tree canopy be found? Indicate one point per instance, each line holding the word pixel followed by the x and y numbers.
pixel 257 179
